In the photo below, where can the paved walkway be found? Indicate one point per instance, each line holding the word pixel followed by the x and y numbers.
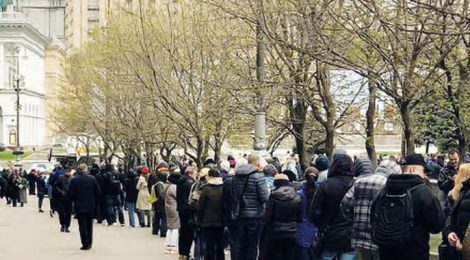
pixel 27 234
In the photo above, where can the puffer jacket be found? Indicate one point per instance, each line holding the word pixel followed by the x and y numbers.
pixel 210 209
pixel 460 217
pixel 283 212
pixel 248 202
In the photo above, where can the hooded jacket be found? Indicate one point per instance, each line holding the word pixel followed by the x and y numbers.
pixel 363 166
pixel 130 187
pixel 325 210
pixel 210 209
pixel 183 189
pixel 428 217
pixel 356 204
pixel 283 212
pixel 248 193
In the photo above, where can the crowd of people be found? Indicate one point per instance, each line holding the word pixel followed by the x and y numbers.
pixel 257 209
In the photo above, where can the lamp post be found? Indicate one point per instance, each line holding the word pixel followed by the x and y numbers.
pixel 18 79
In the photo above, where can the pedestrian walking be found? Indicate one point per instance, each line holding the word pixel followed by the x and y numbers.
pixel 63 202
pixel 172 218
pixel 41 189
pixel 84 192
pixel 143 204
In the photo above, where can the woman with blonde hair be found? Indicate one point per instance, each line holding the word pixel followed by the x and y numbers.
pixel 457 230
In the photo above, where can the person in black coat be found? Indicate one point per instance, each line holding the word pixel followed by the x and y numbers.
pixel 325 210
pixel 456 229
pixel 210 216
pixel 283 212
pixel 428 213
pixel 186 232
pixel 130 187
pixel 84 192
pixel 32 182
pixel 41 188
pixel 63 203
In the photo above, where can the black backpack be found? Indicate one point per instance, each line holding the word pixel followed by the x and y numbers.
pixel 392 218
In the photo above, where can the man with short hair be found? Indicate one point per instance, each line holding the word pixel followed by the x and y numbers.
pixel 427 212
pixel 63 203
pixel 448 172
pixel 84 192
pixel 248 196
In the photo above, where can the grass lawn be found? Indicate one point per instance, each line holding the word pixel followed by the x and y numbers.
pixel 8 155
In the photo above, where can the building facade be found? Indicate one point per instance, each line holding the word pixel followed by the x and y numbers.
pixel 22 56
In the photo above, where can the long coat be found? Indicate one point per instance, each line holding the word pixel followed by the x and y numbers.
pixel 172 218
pixel 143 197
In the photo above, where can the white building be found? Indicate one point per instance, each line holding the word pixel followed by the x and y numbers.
pixel 22 52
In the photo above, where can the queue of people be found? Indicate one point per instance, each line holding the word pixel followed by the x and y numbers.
pixel 252 209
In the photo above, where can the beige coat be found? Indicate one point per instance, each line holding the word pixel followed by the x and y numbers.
pixel 143 197
pixel 172 218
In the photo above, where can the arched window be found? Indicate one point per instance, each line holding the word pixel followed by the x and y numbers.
pixel 12 137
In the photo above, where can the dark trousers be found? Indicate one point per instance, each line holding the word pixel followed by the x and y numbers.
pixel 281 249
pixel 32 189
pixel 159 224
pixel 113 203
pixel 65 213
pixel 101 210
pixel 40 200
pixel 85 226
pixel 214 238
pixel 186 235
pixel 304 253
pixel 245 238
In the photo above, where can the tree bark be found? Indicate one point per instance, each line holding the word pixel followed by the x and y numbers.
pixel 408 130
pixel 370 126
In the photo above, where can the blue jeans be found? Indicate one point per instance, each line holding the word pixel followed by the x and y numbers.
pixel 245 238
pixel 113 202
pixel 333 256
pixel 131 212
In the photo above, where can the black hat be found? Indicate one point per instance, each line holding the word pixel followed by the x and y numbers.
pixel 414 159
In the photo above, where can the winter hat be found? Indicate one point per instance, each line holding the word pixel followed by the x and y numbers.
pixel 281 176
pixel 241 162
pixel 342 165
pixel 415 159
pixel 388 167
pixel 362 166
pixel 225 166
pixel 145 170
pixel 270 170
pixel 208 161
pixel 82 167
pixel 311 171
pixel 290 175
pixel 163 167
pixel 322 163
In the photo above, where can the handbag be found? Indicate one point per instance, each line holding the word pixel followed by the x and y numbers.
pixel 447 252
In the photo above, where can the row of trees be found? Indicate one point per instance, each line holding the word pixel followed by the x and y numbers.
pixel 184 74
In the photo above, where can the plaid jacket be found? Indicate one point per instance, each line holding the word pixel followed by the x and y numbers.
pixel 356 205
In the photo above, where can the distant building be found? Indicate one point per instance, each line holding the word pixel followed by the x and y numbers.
pixel 22 55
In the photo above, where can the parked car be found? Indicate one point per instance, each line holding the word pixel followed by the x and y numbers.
pixel 2 147
pixel 43 166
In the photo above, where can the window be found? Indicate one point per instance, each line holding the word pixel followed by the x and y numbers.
pixel 12 137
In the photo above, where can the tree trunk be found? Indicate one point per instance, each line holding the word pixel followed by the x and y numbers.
pixel 407 128
pixel 330 142
pixel 370 126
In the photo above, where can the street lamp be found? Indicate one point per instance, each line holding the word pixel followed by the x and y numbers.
pixel 18 79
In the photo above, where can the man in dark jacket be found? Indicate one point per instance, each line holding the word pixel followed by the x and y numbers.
pixel 448 172
pixel 84 192
pixel 283 212
pixel 112 188
pixel 428 214
pixel 32 182
pixel 42 189
pixel 186 232
pixel 248 196
pixel 63 203
pixel 130 187
pixel 210 216
pixel 325 210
